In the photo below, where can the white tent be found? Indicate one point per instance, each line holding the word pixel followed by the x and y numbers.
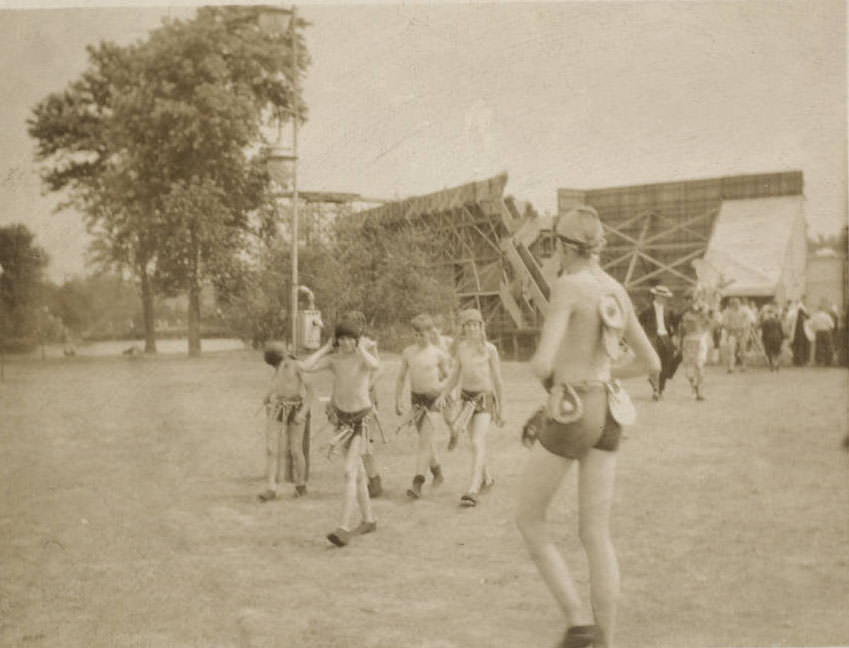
pixel 760 245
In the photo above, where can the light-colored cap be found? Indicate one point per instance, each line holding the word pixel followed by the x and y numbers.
pixel 470 315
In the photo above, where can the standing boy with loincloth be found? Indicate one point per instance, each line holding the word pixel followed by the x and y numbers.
pixel 588 313
pixel 287 408
pixel 358 319
pixel 427 366
pixel 452 405
pixel 695 336
pixel 735 323
pixel 477 370
pixel 351 366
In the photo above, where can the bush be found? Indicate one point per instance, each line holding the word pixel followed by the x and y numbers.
pixel 19 345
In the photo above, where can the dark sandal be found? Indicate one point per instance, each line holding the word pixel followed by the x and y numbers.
pixel 469 499
pixel 267 496
pixel 579 636
pixel 340 537
pixel 365 527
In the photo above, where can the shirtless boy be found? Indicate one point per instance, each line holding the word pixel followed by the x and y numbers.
pixel 358 319
pixel 427 366
pixel 351 366
pixel 287 405
pixel 577 346
pixel 477 370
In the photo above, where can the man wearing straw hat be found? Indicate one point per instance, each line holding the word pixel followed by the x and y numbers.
pixel 657 322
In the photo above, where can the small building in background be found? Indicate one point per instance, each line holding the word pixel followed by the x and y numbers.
pixel 827 278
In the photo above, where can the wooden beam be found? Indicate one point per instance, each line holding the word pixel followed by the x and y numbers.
pixel 679 226
pixel 658 246
pixel 633 264
pixel 666 267
pixel 616 232
pixel 633 219
pixel 618 260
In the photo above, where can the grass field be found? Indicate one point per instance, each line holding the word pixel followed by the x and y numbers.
pixel 128 517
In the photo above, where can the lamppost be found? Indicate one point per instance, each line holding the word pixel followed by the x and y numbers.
pixel 282 159
pixel 2 342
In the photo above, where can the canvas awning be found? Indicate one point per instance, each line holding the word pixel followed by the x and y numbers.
pixel 755 245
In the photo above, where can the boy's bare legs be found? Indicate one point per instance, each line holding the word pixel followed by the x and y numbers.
pixel 295 447
pixel 543 475
pixel 479 428
pixel 732 352
pixel 375 485
pixel 354 481
pixel 425 453
pixel 273 432
pixel 356 496
pixel 434 419
pixel 595 493
pixel 363 498
pixel 700 379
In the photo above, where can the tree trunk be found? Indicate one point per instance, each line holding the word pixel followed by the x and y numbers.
pixel 194 319
pixel 147 312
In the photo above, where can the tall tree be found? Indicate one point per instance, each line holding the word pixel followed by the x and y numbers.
pixel 156 140
pixel 21 283
pixel 83 138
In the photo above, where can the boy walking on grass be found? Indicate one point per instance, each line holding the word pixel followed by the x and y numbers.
pixel 477 370
pixel 287 407
pixel 351 366
pixel 358 319
pixel 427 367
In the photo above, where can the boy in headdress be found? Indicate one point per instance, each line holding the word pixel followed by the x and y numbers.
pixel 588 312
pixel 695 336
pixel 287 406
pixel 735 323
pixel 351 366
pixel 477 370
pixel 427 366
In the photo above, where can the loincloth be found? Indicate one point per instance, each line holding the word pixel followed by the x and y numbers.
pixel 596 427
pixel 483 401
pixel 286 409
pixel 348 426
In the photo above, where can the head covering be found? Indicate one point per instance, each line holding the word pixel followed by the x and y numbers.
pixel 274 353
pixel 355 317
pixel 470 315
pixel 661 291
pixel 347 328
pixel 423 323
pixel 581 228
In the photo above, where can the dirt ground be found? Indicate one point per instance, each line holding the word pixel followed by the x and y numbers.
pixel 128 517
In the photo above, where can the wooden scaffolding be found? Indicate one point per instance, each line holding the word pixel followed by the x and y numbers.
pixel 655 232
pixel 473 221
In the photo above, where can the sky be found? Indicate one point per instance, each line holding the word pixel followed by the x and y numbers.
pixel 406 99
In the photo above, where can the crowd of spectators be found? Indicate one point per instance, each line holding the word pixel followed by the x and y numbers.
pixel 791 333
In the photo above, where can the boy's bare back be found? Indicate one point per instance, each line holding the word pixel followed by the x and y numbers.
pixel 576 297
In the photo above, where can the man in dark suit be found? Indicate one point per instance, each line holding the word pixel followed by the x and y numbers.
pixel 659 324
